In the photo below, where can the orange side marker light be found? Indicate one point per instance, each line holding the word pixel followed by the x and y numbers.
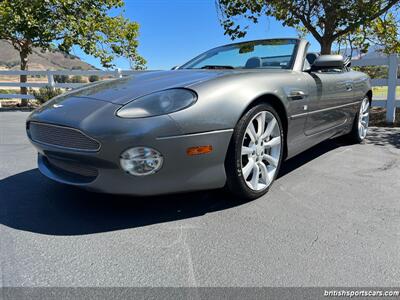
pixel 199 150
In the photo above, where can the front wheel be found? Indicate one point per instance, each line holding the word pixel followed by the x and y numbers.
pixel 255 152
pixel 360 126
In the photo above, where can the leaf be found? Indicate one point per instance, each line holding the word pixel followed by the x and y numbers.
pixel 85 23
pixel 328 21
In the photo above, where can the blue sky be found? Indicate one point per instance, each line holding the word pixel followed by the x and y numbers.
pixel 174 31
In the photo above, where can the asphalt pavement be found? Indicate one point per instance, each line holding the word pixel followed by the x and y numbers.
pixel 331 219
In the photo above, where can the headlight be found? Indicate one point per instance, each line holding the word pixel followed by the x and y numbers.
pixel 141 161
pixel 159 103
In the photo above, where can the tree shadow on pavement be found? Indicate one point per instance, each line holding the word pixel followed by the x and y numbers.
pixel 384 136
pixel 31 202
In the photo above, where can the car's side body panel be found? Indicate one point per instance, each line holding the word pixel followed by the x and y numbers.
pixel 327 95
pixel 223 100
pixel 361 84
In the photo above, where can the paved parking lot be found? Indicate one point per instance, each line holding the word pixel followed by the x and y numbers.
pixel 331 219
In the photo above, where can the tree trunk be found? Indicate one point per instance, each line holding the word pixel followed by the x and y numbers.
pixel 24 78
pixel 326 46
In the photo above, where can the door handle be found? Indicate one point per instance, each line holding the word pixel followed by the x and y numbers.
pixel 297 95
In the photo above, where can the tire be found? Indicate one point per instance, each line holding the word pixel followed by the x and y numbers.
pixel 255 148
pixel 360 125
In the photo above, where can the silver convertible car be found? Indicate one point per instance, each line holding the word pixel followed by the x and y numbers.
pixel 227 118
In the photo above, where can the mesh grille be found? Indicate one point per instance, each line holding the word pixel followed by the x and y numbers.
pixel 72 167
pixel 62 137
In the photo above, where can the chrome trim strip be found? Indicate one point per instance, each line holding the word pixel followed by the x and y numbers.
pixel 62 147
pixel 193 134
pixel 322 110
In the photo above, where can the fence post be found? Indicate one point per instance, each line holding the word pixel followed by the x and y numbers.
pixel 392 82
pixel 50 79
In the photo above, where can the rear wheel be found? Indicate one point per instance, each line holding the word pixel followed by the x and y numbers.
pixel 360 126
pixel 255 152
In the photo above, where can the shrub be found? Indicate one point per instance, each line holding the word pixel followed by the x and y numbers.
pixel 93 78
pixel 374 71
pixel 77 79
pixel 6 91
pixel 46 93
pixel 61 78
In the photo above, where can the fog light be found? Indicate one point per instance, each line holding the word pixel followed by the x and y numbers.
pixel 141 161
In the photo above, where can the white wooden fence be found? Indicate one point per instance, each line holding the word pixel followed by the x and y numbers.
pixel 390 103
pixel 118 73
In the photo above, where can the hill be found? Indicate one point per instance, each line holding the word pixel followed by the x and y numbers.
pixel 373 52
pixel 38 60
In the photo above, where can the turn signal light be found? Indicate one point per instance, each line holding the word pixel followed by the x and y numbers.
pixel 199 150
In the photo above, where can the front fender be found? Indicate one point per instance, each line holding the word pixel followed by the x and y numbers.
pixel 221 102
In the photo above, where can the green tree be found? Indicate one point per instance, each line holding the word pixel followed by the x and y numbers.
pixel 383 32
pixel 47 24
pixel 326 20
pixel 374 72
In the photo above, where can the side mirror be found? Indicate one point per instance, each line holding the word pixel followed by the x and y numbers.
pixel 328 62
pixel 175 68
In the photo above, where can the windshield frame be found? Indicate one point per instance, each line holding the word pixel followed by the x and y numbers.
pixel 289 67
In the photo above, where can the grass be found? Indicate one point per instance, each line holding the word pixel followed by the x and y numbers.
pixel 381 91
pixel 8 91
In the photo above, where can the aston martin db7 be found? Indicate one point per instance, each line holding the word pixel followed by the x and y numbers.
pixel 227 118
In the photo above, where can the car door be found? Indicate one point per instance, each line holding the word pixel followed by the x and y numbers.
pixel 331 91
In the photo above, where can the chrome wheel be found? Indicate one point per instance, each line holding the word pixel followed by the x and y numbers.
pixel 261 151
pixel 363 119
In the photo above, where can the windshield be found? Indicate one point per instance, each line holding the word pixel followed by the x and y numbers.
pixel 265 54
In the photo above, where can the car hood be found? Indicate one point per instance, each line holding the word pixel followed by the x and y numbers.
pixel 123 90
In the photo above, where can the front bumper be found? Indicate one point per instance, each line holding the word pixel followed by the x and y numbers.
pixel 101 169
